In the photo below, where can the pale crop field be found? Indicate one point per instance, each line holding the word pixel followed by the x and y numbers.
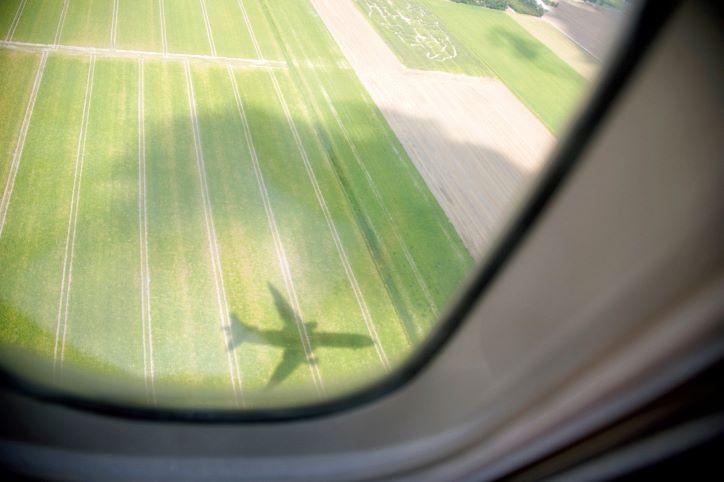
pixel 202 206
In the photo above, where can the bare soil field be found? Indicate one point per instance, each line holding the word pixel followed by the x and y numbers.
pixel 591 27
pixel 473 141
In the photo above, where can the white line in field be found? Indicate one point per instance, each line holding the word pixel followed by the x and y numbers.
pixel 16 20
pixel 330 105
pixel 114 25
pixel 284 264
pixel 148 364
pixel 140 225
pixel 116 53
pixel 61 23
pixel 216 267
pixel 341 251
pixel 252 35
pixel 163 28
pixel 20 145
pixel 67 278
pixel 209 36
pixel 380 201
pixel 278 244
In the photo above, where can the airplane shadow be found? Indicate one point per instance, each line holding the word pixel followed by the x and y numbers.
pixel 289 338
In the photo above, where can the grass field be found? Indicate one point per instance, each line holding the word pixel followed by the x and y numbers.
pixel 205 228
pixel 467 39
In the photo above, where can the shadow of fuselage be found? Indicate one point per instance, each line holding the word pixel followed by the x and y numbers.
pixel 296 337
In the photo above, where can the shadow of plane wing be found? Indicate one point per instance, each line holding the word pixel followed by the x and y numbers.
pixel 291 359
pixel 286 312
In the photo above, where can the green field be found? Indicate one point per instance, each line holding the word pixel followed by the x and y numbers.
pixel 202 230
pixel 472 40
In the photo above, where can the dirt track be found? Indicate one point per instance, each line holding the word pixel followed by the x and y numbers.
pixel 472 140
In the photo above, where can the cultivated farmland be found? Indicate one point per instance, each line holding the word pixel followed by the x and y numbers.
pixel 202 206
pixel 474 142
pixel 467 39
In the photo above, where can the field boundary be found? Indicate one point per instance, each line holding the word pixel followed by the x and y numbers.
pixel 121 53
pixel 67 277
pixel 20 144
pixel 461 252
pixel 574 40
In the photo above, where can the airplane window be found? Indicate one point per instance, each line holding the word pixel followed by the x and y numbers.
pixel 239 204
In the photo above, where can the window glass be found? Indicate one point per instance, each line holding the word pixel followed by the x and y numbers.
pixel 252 203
